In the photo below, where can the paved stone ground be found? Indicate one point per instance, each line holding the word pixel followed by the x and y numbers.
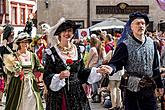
pixel 94 106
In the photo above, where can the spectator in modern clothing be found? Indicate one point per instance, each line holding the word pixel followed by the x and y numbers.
pixel 114 86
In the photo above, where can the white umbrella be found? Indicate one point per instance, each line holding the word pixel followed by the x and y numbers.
pixel 108 24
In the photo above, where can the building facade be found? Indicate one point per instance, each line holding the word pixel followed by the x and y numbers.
pixel 89 12
pixel 3 13
pixel 17 12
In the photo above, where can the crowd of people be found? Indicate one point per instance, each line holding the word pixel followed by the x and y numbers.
pixel 65 72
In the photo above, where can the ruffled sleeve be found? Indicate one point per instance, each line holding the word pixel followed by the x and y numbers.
pixel 56 84
pixel 88 75
pixel 94 76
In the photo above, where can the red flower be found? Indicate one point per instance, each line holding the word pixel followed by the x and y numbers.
pixel 21 75
pixel 69 62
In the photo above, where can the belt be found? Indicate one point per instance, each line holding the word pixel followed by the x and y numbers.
pixel 147 82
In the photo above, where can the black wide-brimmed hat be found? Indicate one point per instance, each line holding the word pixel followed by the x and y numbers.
pixel 66 25
pixel 8 29
pixel 23 36
pixel 136 15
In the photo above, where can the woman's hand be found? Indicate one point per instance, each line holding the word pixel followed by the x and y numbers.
pixel 64 74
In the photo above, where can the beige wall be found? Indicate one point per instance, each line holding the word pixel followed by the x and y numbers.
pixel 70 9
pixel 77 10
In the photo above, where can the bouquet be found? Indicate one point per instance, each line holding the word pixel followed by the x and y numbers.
pixel 69 62
pixel 12 65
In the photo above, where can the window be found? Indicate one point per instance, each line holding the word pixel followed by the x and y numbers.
pixel 2 6
pixel 30 11
pixel 22 15
pixel 14 15
pixel 79 23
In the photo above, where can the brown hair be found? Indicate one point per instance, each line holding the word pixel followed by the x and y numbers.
pixel 93 42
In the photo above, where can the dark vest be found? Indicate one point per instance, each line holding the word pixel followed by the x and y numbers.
pixel 140 57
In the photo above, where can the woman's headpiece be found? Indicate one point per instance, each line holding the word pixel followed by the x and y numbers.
pixel 55 30
pixel 66 24
pixel 23 36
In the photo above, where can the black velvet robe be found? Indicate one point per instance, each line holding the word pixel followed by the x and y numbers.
pixel 75 98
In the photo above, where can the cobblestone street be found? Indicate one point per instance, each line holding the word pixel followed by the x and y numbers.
pixel 94 106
